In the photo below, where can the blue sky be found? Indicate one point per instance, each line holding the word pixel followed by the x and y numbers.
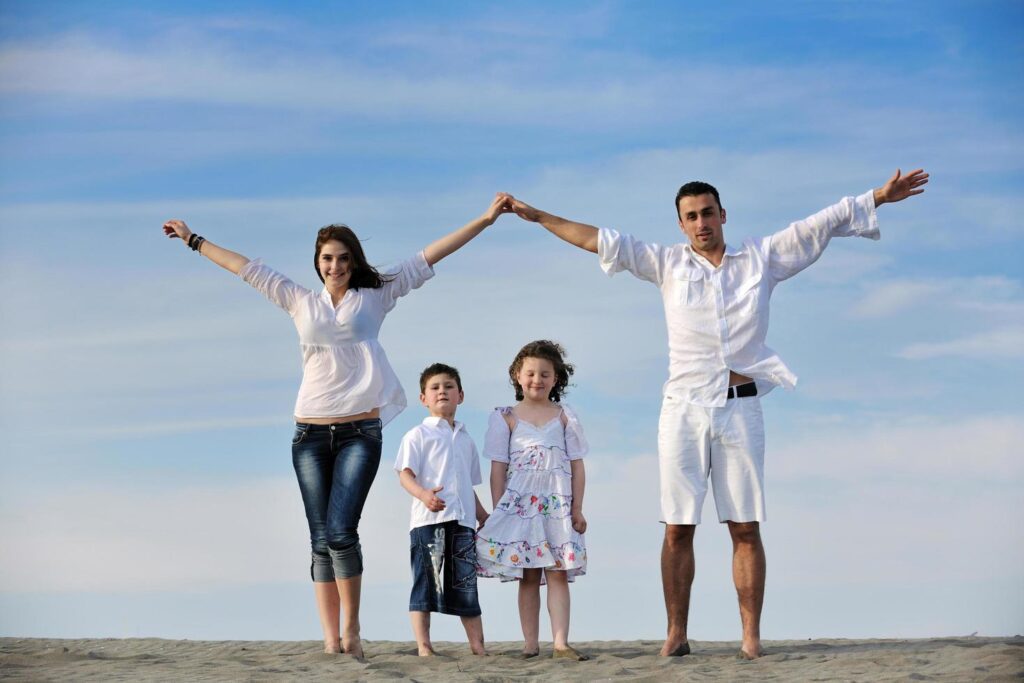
pixel 145 476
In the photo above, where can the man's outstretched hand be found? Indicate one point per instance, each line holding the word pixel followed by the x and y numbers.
pixel 899 187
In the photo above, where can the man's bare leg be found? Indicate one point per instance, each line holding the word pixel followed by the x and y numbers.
pixel 748 573
pixel 474 634
pixel 421 631
pixel 677 569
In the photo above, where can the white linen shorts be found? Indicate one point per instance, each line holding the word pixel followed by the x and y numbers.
pixel 726 443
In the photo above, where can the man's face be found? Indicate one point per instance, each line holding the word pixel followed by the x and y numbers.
pixel 441 396
pixel 702 219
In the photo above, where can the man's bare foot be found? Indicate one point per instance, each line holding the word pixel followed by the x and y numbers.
pixel 670 649
pixel 569 652
pixel 478 649
pixel 743 654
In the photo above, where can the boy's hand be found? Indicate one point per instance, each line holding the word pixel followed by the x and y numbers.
pixel 430 499
pixel 481 520
pixel 579 522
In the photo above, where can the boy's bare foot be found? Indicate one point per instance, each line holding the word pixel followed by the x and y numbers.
pixel 478 649
pixel 675 649
pixel 743 654
pixel 569 653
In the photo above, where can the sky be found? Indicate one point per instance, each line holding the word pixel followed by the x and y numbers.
pixel 146 487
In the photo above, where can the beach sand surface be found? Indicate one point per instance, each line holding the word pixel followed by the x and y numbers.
pixel 153 659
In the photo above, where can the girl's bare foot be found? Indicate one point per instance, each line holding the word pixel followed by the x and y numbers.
pixel 569 653
pixel 332 648
pixel 352 646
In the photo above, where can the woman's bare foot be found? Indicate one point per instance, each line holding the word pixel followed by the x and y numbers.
pixel 352 646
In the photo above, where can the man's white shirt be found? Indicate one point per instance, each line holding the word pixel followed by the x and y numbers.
pixel 440 455
pixel 717 318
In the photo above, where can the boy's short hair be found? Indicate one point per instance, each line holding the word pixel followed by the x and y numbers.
pixel 439 369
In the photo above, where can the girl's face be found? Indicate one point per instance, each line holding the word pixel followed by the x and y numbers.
pixel 335 264
pixel 537 378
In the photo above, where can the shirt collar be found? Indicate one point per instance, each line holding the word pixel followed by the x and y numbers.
pixel 436 422
pixel 729 251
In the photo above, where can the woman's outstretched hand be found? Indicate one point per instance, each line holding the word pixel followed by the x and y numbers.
pixel 900 186
pixel 177 229
pixel 501 204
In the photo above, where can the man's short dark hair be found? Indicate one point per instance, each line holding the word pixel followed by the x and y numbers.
pixel 439 369
pixel 695 189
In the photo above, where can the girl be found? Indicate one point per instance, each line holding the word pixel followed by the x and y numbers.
pixel 535 534
pixel 348 393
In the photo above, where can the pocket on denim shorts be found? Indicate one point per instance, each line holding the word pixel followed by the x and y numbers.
pixel 301 430
pixel 464 556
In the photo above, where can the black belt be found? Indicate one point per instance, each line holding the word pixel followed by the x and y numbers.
pixel 742 390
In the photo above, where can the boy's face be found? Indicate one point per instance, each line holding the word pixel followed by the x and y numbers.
pixel 441 396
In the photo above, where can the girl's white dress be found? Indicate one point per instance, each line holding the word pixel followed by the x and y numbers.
pixel 531 526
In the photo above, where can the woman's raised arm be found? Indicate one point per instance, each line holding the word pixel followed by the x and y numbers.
pixel 454 241
pixel 225 258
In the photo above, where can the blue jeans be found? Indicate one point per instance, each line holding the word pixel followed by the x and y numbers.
pixel 446 582
pixel 336 465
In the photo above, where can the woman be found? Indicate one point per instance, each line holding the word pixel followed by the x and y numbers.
pixel 348 393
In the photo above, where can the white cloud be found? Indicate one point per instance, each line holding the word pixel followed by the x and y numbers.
pixel 1002 343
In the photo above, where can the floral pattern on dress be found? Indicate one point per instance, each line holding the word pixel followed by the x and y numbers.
pixel 526 505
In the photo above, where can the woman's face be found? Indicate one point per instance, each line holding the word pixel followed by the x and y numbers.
pixel 335 264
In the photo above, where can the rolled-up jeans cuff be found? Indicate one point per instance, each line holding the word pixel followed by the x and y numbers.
pixel 347 562
pixel 321 569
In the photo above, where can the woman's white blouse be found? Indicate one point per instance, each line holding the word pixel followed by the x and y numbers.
pixel 344 368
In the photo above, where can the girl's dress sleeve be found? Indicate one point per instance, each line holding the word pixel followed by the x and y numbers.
pixel 411 274
pixel 497 437
pixel 272 284
pixel 576 445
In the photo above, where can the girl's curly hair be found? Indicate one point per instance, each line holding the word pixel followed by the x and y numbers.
pixel 549 351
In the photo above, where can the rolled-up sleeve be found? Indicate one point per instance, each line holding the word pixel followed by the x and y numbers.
pixel 410 275
pixel 801 243
pixel 276 287
pixel 497 437
pixel 618 252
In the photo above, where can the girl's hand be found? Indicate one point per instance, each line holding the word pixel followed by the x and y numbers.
pixel 430 499
pixel 176 228
pixel 579 522
pixel 501 204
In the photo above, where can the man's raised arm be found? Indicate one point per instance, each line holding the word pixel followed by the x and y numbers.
pixel 579 234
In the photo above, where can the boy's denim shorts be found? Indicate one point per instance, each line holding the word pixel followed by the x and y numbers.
pixel 445 551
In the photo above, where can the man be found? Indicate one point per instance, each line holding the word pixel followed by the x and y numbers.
pixel 716 300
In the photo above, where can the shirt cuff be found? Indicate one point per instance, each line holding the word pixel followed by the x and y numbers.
pixel 608 243
pixel 424 271
pixel 865 220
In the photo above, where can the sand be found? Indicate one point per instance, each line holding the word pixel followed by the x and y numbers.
pixel 152 659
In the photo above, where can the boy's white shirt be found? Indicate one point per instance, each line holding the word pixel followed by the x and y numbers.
pixel 440 455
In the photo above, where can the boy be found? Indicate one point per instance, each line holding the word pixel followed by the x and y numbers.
pixel 438 465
